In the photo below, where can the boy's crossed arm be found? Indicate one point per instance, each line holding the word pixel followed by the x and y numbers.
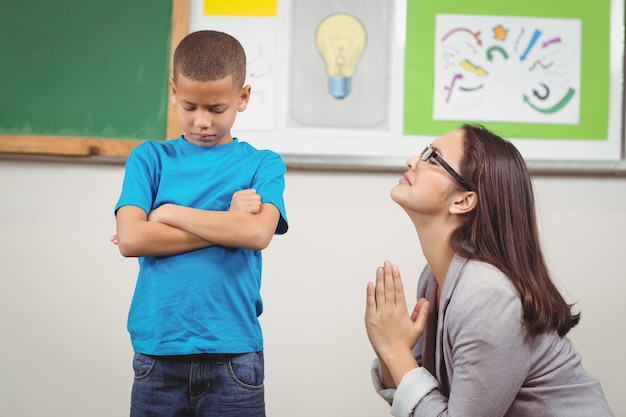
pixel 172 229
pixel 248 224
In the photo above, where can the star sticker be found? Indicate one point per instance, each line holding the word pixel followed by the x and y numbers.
pixel 500 32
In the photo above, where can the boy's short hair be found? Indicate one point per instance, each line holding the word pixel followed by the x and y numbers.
pixel 209 55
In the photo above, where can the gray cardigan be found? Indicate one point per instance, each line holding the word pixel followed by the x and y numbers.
pixel 483 360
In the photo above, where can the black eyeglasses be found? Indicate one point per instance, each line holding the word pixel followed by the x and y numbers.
pixel 429 152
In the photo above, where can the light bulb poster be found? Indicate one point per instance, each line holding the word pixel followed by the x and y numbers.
pixel 340 39
pixel 517 66
pixel 340 64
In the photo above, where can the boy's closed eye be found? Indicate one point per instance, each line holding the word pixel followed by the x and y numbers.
pixel 217 110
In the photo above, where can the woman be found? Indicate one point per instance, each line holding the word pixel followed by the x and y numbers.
pixel 487 336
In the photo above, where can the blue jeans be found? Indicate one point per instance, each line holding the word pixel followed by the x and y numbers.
pixel 198 386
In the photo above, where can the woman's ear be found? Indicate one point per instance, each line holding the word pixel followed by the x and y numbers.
pixel 464 202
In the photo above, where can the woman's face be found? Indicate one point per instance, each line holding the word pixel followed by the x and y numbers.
pixel 426 187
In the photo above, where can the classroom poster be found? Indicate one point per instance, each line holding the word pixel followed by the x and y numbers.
pixel 532 69
pixel 255 28
pixel 545 76
pixel 339 64
pixel 240 7
pixel 507 69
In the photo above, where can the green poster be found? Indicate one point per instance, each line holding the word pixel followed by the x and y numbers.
pixel 533 69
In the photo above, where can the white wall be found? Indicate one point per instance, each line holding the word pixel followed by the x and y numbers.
pixel 65 290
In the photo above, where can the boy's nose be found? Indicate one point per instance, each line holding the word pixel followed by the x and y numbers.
pixel 202 120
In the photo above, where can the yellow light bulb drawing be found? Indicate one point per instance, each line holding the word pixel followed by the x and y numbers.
pixel 340 39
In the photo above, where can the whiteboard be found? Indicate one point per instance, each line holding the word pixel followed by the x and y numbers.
pixel 292 111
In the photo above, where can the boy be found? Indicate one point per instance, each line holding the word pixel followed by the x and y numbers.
pixel 197 211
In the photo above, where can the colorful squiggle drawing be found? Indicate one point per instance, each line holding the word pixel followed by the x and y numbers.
pixel 478 79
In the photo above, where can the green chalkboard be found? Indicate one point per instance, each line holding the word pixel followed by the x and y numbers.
pixel 89 69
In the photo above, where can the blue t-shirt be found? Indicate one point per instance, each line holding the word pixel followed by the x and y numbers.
pixel 207 300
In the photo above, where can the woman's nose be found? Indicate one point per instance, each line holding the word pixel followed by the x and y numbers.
pixel 412 162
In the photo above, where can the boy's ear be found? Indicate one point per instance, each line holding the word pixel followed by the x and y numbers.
pixel 244 97
pixel 464 202
pixel 173 91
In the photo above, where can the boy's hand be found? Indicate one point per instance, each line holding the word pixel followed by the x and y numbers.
pixel 160 213
pixel 247 201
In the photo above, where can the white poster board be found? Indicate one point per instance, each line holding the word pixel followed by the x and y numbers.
pixel 292 112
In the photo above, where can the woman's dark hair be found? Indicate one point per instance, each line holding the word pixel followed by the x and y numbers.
pixel 502 229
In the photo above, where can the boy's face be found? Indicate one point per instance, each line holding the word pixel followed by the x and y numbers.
pixel 206 110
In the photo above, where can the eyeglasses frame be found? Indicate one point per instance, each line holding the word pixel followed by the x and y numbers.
pixel 429 152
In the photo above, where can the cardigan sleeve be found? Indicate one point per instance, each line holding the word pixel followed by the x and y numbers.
pixel 485 347
pixel 414 385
